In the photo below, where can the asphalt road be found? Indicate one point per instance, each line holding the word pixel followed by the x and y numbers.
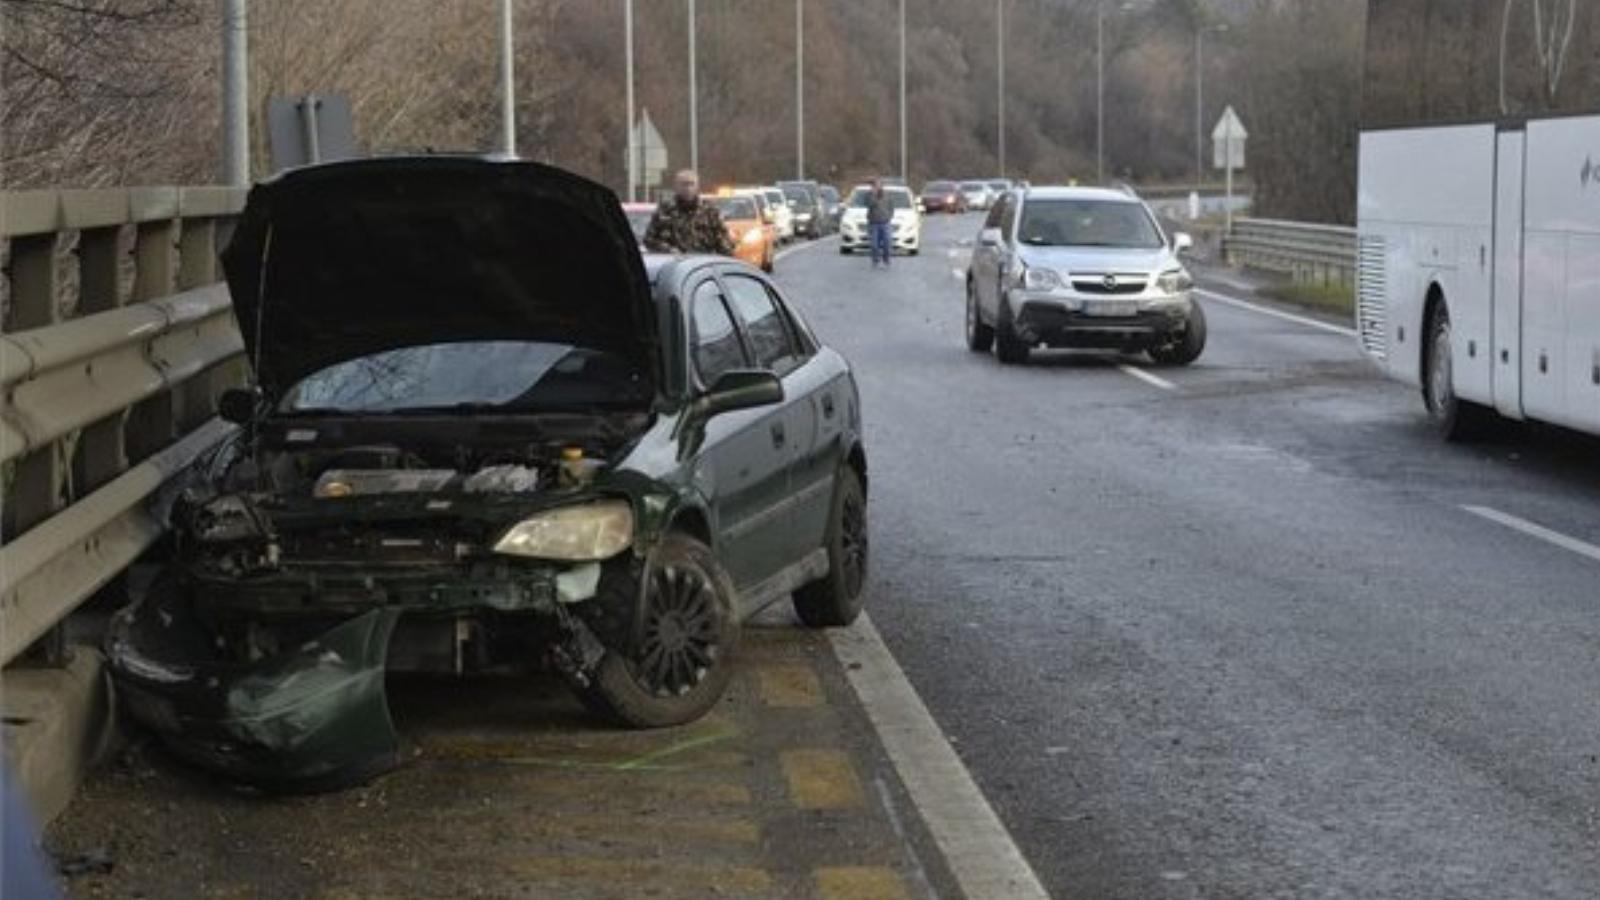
pixel 1235 638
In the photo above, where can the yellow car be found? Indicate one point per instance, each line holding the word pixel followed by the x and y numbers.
pixel 754 241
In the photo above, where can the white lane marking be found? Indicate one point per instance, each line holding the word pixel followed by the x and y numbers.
pixel 1276 314
pixel 975 843
pixel 954 253
pixel 801 248
pixel 1146 377
pixel 958 274
pixel 1582 548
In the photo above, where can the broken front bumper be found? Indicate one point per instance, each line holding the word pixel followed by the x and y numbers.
pixel 311 718
pixel 310 711
pixel 1056 324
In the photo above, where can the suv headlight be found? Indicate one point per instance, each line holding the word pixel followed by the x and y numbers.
pixel 1040 279
pixel 1174 282
pixel 579 533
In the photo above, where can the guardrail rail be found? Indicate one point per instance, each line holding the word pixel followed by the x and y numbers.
pixel 1324 254
pixel 115 341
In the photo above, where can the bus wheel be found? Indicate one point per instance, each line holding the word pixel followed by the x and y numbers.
pixel 1456 419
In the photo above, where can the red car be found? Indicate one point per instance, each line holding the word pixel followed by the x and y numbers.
pixel 943 196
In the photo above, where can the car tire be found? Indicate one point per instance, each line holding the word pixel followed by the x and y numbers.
pixel 1187 349
pixel 1008 348
pixel 980 336
pixel 767 264
pixel 1456 420
pixel 835 600
pixel 690 631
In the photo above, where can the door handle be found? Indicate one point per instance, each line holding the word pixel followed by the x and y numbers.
pixel 777 435
pixel 827 406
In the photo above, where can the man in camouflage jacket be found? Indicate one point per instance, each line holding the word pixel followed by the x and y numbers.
pixel 683 224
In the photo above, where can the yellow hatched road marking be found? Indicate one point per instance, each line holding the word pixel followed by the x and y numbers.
pixel 860 883
pixel 821 779
pixel 712 880
pixel 790 686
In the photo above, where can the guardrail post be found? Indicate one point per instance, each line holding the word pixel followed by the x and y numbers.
pixel 37 482
pixel 152 422
pixel 101 254
pixel 197 267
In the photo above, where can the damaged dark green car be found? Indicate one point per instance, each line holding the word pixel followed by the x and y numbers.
pixel 485 433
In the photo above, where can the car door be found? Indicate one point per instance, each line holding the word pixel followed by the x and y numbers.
pixel 744 452
pixel 812 410
pixel 987 276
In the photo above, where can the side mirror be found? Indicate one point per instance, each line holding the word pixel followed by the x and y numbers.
pixel 1182 242
pixel 238 405
pixel 990 237
pixel 740 389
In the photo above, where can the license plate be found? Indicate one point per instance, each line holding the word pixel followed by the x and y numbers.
pixel 1111 308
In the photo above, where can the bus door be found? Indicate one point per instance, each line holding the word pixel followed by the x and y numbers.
pixel 1510 146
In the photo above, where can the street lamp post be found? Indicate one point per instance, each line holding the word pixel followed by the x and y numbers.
pixel 1000 81
pixel 694 96
pixel 508 89
pixel 800 89
pixel 235 94
pixel 1100 85
pixel 633 153
pixel 904 171
pixel 1200 99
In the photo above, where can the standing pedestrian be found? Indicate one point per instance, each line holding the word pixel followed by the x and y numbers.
pixel 880 213
pixel 682 224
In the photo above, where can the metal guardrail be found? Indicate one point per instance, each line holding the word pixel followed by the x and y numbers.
pixel 1308 252
pixel 115 342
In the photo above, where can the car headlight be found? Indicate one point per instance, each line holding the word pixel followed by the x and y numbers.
pixel 579 533
pixel 753 236
pixel 1040 279
pixel 1174 282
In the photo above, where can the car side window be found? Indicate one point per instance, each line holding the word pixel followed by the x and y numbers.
pixel 716 341
pixel 998 213
pixel 765 325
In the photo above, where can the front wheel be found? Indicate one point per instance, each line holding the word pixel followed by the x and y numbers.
pixel 688 633
pixel 1188 348
pixel 980 337
pixel 1008 347
pixel 834 600
pixel 1455 419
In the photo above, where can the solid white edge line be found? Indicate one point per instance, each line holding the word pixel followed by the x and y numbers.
pixel 1146 377
pixel 958 274
pixel 1276 314
pixel 1582 548
pixel 984 860
pixel 801 248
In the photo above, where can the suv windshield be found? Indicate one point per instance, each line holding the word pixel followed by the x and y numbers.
pixel 476 376
pixel 938 187
pixel 1087 223
pixel 900 198
pixel 798 195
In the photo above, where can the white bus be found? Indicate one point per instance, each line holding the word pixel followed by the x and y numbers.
pixel 1478 214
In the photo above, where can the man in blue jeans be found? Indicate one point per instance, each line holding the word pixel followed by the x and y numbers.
pixel 880 212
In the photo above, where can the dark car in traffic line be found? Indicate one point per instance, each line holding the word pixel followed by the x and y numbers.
pixel 943 196
pixel 805 201
pixel 484 431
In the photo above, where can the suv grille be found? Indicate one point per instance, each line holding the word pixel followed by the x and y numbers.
pixel 1111 283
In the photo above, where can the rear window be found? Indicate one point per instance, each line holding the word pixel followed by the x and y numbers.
pixel 736 207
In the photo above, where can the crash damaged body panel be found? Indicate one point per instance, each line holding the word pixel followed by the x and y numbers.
pixel 477 440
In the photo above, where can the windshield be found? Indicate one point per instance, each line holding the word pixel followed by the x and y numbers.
pixel 1000 185
pixel 775 197
pixel 478 376
pixel 973 187
pixel 1087 223
pixel 829 194
pixel 736 207
pixel 799 196
pixel 898 198
pixel 938 187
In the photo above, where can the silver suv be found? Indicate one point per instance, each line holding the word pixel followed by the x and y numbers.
pixel 1080 267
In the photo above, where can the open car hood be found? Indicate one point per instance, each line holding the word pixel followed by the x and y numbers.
pixel 333 262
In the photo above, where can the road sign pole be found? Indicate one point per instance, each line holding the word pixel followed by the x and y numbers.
pixel 508 88
pixel 633 154
pixel 694 95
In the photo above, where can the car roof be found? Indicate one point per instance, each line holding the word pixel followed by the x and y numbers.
pixel 886 187
pixel 1062 192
